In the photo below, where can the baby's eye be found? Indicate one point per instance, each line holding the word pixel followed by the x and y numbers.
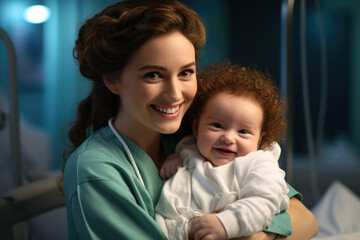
pixel 243 131
pixel 216 125
pixel 152 75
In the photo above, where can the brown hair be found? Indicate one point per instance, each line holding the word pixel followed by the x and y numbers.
pixel 107 41
pixel 241 81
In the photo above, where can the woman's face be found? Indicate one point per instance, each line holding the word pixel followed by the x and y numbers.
pixel 157 86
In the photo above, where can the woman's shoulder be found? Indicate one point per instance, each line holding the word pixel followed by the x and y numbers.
pixel 98 157
pixel 99 143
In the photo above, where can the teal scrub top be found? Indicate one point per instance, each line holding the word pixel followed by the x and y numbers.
pixel 106 200
pixel 104 197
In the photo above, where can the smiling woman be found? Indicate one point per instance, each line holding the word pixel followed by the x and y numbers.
pixel 141 57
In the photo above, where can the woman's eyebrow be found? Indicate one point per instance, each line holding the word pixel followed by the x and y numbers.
pixel 163 68
pixel 188 65
pixel 152 67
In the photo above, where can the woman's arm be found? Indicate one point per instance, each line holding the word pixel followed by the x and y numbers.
pixel 303 223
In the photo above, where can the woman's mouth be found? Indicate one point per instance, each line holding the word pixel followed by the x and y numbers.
pixel 166 110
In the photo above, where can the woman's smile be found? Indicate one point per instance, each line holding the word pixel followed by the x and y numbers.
pixel 167 109
pixel 169 112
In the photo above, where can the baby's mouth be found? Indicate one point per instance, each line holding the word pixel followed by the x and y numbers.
pixel 223 151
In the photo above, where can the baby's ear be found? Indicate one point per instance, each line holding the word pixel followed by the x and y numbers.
pixel 110 83
pixel 195 128
pixel 260 143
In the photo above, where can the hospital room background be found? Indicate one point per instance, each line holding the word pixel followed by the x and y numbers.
pixel 311 48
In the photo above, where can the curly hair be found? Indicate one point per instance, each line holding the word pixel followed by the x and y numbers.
pixel 241 81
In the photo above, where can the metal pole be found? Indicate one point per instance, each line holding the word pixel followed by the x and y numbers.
pixel 286 75
pixel 14 110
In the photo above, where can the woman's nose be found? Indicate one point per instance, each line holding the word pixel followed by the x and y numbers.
pixel 173 89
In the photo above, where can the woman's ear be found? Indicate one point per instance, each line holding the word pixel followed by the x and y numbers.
pixel 110 83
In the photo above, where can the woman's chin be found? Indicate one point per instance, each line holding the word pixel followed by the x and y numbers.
pixel 169 129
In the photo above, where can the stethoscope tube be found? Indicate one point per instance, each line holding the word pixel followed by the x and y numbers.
pixel 127 150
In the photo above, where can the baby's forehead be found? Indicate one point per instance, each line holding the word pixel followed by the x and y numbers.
pixel 232 105
pixel 244 95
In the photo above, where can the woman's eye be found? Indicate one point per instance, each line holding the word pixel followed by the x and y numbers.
pixel 243 131
pixel 152 75
pixel 187 73
pixel 216 125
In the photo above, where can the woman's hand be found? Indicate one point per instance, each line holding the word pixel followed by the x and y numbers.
pixel 170 166
pixel 207 227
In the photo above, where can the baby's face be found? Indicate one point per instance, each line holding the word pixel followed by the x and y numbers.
pixel 229 127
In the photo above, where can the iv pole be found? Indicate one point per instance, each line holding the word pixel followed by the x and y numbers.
pixel 14 110
pixel 286 81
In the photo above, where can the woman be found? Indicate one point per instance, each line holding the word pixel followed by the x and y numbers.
pixel 141 57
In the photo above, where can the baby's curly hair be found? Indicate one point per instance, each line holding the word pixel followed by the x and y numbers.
pixel 248 82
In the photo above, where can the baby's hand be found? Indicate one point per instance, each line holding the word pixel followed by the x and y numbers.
pixel 170 166
pixel 207 227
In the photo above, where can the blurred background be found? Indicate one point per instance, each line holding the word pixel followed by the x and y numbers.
pixel 318 70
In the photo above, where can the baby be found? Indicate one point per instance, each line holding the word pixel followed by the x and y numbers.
pixel 230 184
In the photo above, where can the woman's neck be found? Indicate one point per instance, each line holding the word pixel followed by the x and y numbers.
pixel 149 141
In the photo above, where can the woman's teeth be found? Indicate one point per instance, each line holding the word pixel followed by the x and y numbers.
pixel 167 110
